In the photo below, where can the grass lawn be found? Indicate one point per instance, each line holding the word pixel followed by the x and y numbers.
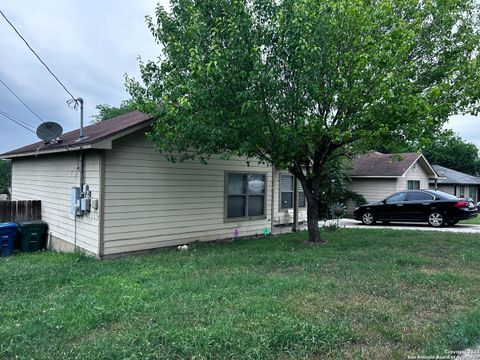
pixel 475 221
pixel 373 294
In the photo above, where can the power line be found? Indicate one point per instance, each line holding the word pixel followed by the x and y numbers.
pixel 9 117
pixel 18 120
pixel 38 57
pixel 28 107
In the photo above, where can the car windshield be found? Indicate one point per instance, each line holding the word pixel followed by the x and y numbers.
pixel 443 195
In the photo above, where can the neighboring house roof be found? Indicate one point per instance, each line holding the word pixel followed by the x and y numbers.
pixel 450 176
pixel 376 164
pixel 98 135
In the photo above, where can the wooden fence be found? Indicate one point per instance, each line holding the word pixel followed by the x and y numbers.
pixel 20 210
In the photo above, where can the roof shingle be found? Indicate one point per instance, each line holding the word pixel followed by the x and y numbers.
pixel 92 133
pixel 450 176
pixel 378 164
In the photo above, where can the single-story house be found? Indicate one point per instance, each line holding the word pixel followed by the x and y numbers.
pixel 457 183
pixel 376 175
pixel 133 199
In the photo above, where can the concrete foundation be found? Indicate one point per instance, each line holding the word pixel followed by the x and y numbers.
pixel 57 244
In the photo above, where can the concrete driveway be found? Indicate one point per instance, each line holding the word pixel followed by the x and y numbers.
pixel 459 228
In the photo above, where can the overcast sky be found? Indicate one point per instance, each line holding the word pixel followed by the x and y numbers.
pixel 89 45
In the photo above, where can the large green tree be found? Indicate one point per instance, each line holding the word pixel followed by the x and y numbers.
pixel 5 175
pixel 298 83
pixel 453 152
pixel 106 111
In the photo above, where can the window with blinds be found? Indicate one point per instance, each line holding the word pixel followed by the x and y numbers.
pixel 286 193
pixel 413 184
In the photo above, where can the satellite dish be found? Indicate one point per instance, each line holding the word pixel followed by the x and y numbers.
pixel 49 131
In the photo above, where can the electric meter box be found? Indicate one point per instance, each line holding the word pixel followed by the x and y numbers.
pixel 85 204
pixel 75 202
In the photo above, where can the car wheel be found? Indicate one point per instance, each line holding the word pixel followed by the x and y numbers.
pixel 368 218
pixel 436 219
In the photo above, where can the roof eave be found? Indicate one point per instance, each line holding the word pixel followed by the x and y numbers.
pixel 374 176
pixel 425 161
pixel 453 182
pixel 107 143
pixel 48 151
pixel 104 144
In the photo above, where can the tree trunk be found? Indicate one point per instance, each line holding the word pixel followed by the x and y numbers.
pixel 312 222
pixel 311 188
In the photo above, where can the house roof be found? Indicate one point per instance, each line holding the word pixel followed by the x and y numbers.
pixel 376 164
pixel 450 176
pixel 92 134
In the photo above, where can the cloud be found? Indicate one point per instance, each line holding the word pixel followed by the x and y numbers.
pixel 88 44
pixel 467 126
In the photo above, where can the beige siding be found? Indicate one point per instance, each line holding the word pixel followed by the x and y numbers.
pixel 374 189
pixel 49 178
pixel 283 216
pixel 449 189
pixel 416 172
pixel 470 190
pixel 473 192
pixel 151 203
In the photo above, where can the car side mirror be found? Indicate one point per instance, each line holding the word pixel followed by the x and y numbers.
pixel 384 202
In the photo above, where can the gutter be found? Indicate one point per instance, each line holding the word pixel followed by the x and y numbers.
pixel 374 177
pixel 52 151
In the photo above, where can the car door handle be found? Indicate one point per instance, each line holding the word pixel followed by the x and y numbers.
pixel 399 204
pixel 425 203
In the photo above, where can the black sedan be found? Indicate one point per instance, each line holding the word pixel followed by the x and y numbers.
pixel 432 206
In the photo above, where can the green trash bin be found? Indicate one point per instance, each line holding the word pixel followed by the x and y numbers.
pixel 33 235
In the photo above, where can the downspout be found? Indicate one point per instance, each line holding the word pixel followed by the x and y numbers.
pixel 101 207
pixel 82 182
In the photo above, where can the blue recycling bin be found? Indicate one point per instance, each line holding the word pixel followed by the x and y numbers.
pixel 8 236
